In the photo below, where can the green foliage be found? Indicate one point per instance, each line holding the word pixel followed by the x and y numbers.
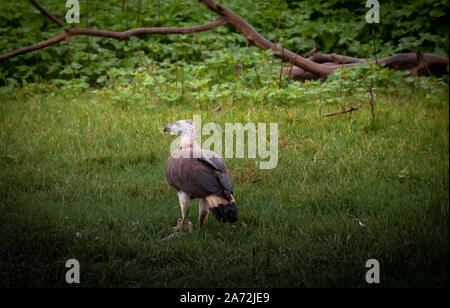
pixel 336 26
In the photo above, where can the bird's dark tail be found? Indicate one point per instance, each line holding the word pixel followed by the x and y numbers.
pixel 223 210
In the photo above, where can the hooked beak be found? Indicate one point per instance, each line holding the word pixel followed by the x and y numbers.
pixel 167 128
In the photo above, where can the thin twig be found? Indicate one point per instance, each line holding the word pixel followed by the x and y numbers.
pixel 176 75
pixel 238 71
pixel 268 174
pixel 48 14
pixel 374 45
pixel 371 98
pixel 275 41
pixel 152 71
pixel 182 84
pixel 87 37
pixel 253 260
pixel 290 70
pixel 281 70
pixel 256 71
pixel 340 112
pixel 218 108
pixel 313 49
pixel 201 51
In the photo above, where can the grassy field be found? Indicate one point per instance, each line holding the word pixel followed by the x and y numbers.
pixel 82 177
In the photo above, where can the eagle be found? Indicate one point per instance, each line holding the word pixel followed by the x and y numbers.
pixel 198 173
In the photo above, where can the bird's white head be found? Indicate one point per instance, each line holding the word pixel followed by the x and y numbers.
pixel 182 128
pixel 186 130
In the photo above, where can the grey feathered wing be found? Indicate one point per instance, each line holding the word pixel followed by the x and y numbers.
pixel 199 177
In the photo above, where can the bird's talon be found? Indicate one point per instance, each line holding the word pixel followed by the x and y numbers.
pixel 187 227
pixel 177 227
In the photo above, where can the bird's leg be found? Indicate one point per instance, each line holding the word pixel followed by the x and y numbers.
pixel 185 203
pixel 203 211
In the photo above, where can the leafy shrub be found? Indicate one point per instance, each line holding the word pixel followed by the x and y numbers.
pixel 336 26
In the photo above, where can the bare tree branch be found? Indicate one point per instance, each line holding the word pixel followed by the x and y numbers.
pixel 111 34
pixel 48 14
pixel 137 31
pixel 40 45
pixel 340 112
pixel 259 41
pixel 334 58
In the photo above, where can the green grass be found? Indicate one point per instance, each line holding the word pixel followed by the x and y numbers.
pixel 78 162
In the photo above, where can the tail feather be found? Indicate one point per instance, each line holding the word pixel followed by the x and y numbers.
pixel 223 210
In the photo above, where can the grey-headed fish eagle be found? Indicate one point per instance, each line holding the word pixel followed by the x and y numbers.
pixel 198 173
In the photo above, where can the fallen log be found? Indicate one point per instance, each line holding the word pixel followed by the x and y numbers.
pixel 416 63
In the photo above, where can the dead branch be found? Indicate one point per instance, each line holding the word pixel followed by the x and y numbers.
pixel 340 112
pixel 137 31
pixel 48 14
pixel 259 41
pixel 100 33
pixel 313 49
pixel 268 174
pixel 425 64
pixel 334 58
pixel 238 71
pixel 218 108
pixel 40 45
pixel 371 99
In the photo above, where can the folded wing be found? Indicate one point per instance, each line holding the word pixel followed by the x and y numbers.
pixel 199 177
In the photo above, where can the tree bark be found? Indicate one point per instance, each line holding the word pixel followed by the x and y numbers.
pixel 416 63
